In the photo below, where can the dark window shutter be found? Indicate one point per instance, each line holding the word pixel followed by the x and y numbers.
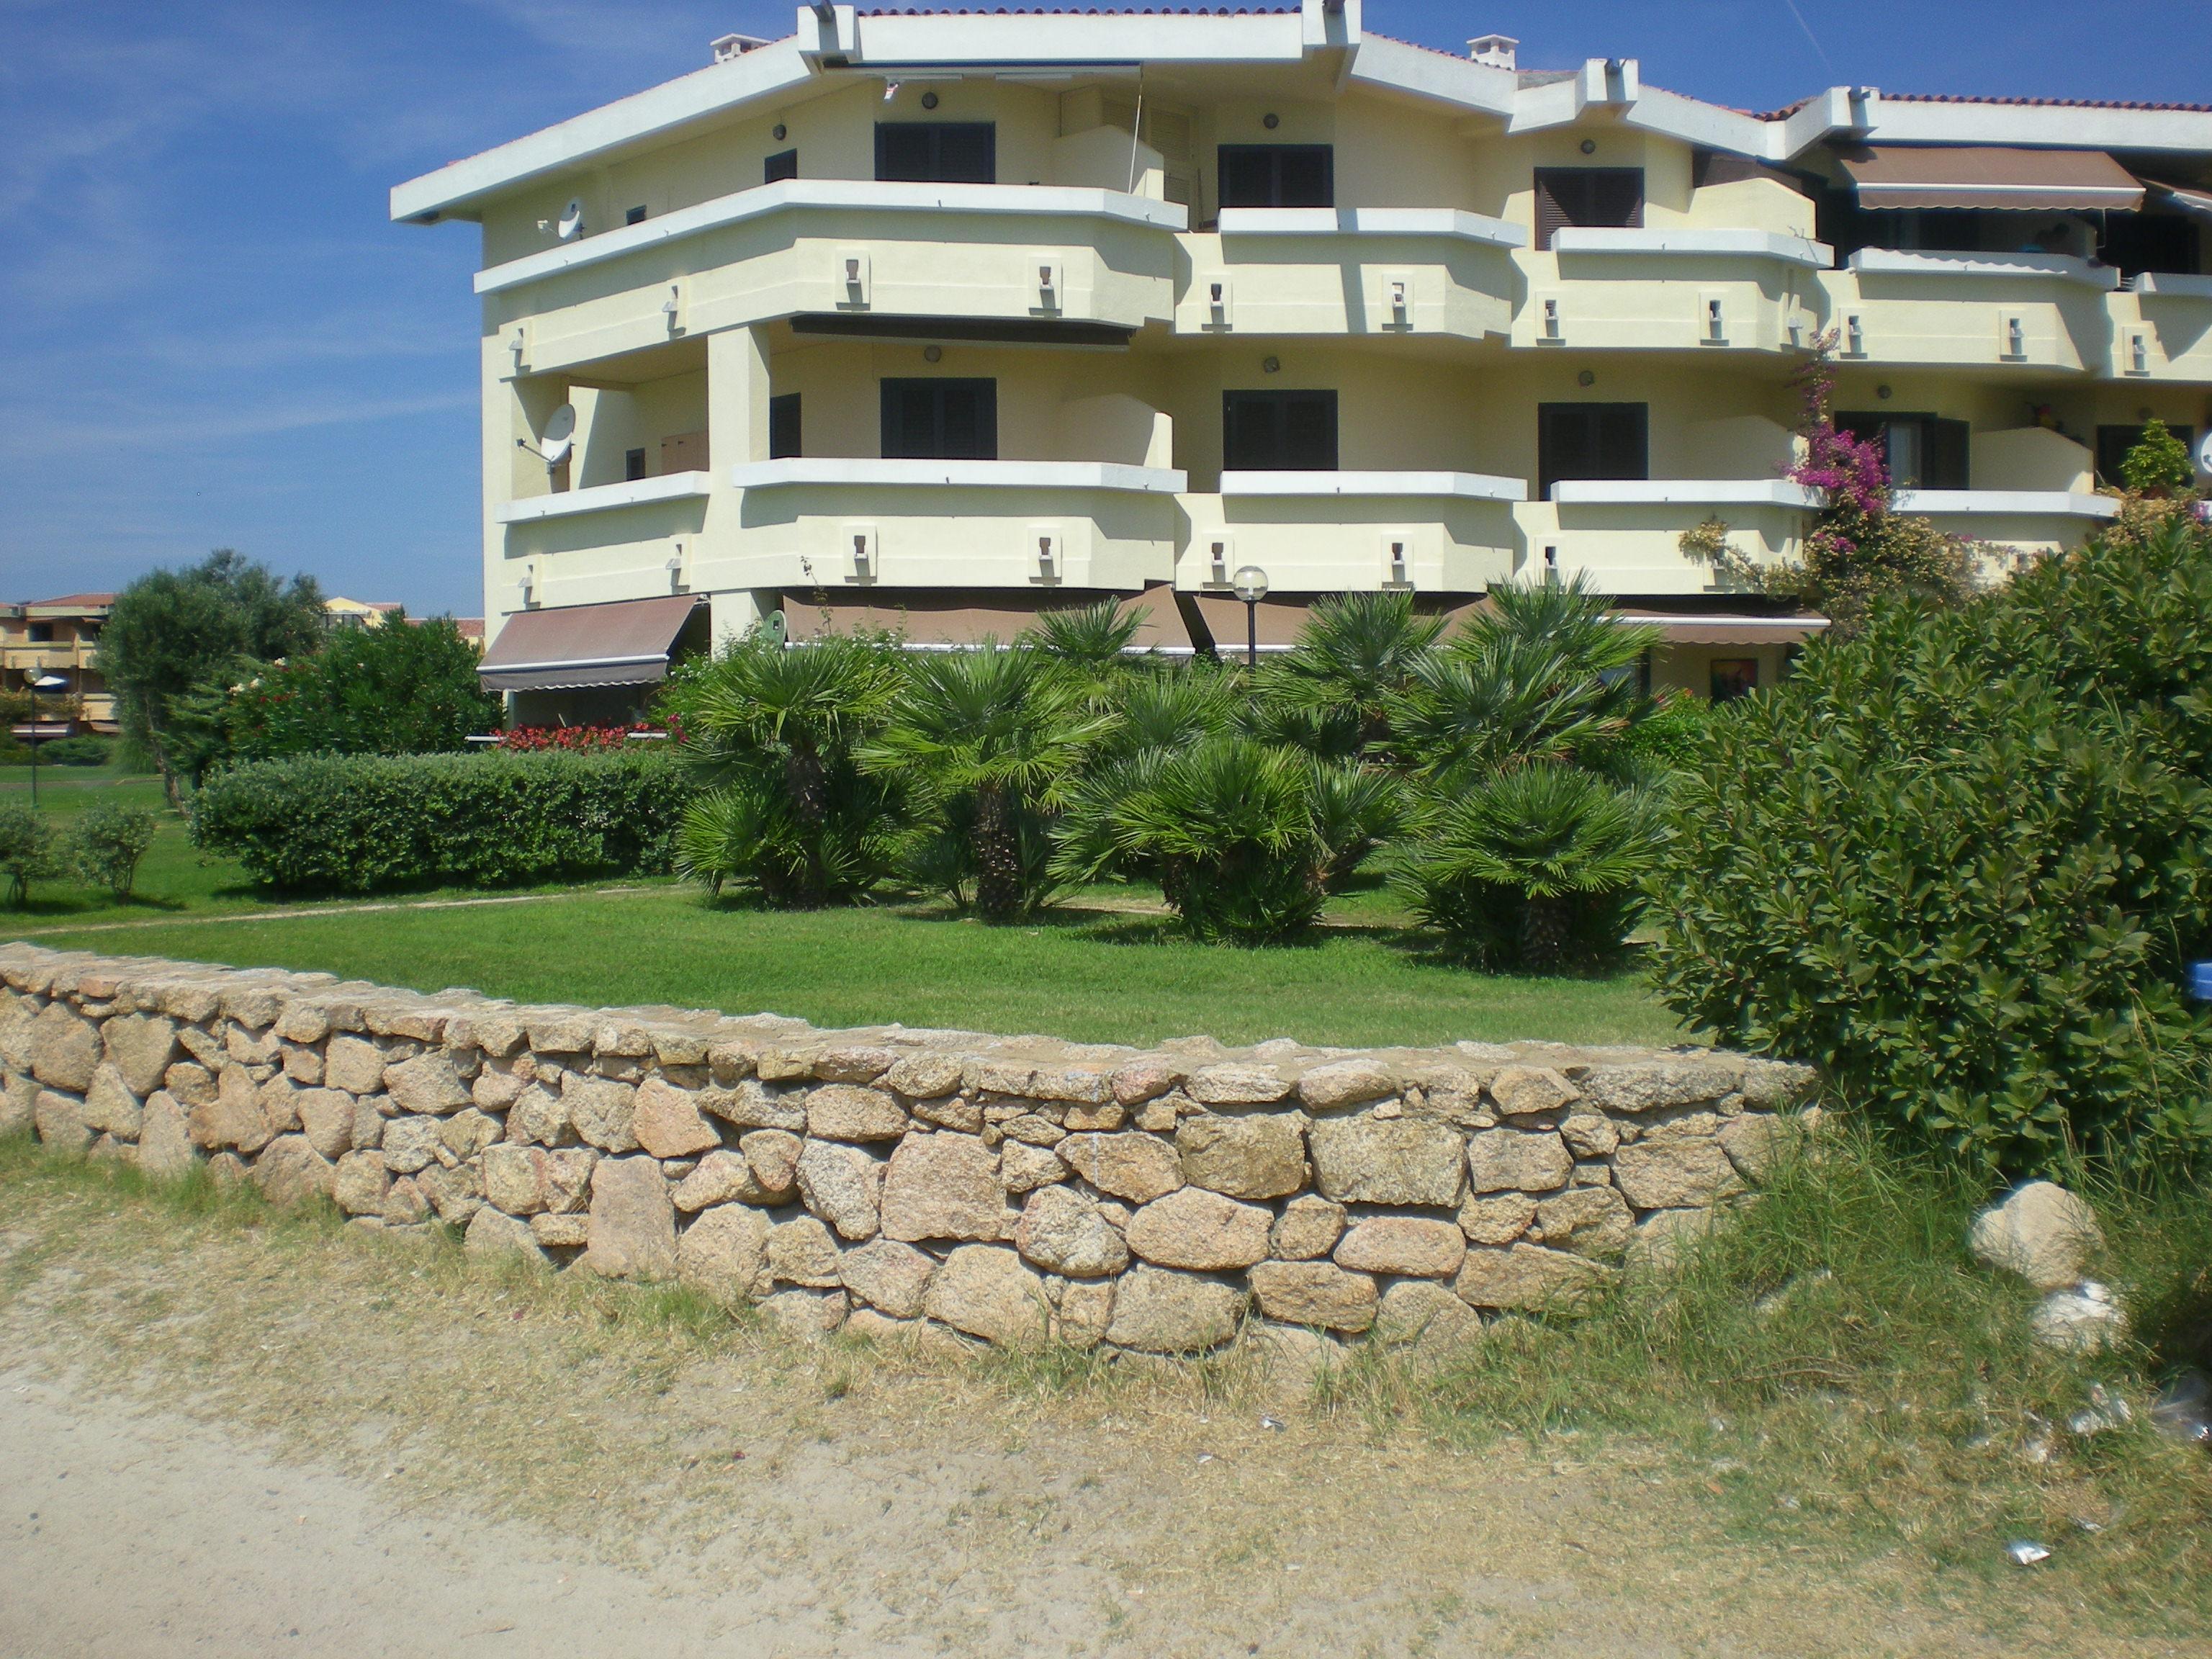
pixel 1591 440
pixel 783 426
pixel 1946 448
pixel 1279 431
pixel 1276 175
pixel 784 164
pixel 967 153
pixel 1606 198
pixel 940 420
pixel 937 152
pixel 1551 213
pixel 1309 176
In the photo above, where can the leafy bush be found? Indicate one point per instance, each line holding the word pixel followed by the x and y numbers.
pixel 27 851
pixel 107 843
pixel 358 823
pixel 1234 831
pixel 1540 866
pixel 2158 464
pixel 76 752
pixel 1961 861
pixel 772 733
pixel 401 687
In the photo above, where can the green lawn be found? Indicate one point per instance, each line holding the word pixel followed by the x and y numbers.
pixel 1085 973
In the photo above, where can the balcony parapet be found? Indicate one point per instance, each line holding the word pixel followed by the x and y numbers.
pixel 861 472
pixel 1371 222
pixel 1465 486
pixel 1696 241
pixel 604 498
pixel 868 195
pixel 1685 492
pixel 2165 284
pixel 2006 503
pixel 2053 267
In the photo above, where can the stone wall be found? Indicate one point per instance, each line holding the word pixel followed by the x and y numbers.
pixel 1013 1188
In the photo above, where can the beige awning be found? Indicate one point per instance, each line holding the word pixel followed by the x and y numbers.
pixel 931 618
pixel 1675 629
pixel 1989 176
pixel 580 645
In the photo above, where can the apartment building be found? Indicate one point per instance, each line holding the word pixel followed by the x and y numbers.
pixel 937 320
pixel 59 639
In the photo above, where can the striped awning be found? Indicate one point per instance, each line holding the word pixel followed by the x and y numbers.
pixel 1991 177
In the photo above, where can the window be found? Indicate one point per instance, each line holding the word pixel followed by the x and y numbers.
pixel 937 152
pixel 941 420
pixel 633 466
pixel 1733 678
pixel 784 164
pixel 1922 452
pixel 2113 443
pixel 39 633
pixel 1277 176
pixel 1279 431
pixel 2136 242
pixel 1591 440
pixel 1606 198
pixel 783 426
pixel 635 217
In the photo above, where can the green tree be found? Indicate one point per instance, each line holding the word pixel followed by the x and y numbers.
pixel 1332 691
pixel 107 843
pixel 1093 637
pixel 980 743
pixel 772 731
pixel 2158 463
pixel 398 689
pixel 171 630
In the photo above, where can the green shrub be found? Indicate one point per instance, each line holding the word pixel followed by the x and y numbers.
pixel 358 824
pixel 1959 862
pixel 1539 867
pixel 27 851
pixel 2158 464
pixel 400 688
pixel 1235 832
pixel 76 752
pixel 106 844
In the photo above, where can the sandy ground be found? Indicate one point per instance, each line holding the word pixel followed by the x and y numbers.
pixel 298 1441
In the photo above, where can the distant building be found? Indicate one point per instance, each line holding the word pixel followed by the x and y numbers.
pixel 358 613
pixel 58 639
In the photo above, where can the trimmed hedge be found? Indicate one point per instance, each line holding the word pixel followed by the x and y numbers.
pixel 362 824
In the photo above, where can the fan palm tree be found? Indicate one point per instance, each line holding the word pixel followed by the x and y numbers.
pixel 1353 653
pixel 1092 636
pixel 983 741
pixel 772 731
pixel 1537 864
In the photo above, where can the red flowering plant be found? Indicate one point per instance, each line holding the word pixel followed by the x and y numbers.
pixel 533 738
pixel 1858 546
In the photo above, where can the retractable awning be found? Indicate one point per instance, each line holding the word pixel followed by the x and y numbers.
pixel 580 645
pixel 1679 629
pixel 938 618
pixel 2197 203
pixel 1989 177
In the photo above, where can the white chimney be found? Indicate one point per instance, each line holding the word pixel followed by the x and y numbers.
pixel 733 46
pixel 1496 50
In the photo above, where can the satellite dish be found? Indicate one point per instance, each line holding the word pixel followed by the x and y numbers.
pixel 560 434
pixel 572 221
pixel 2204 456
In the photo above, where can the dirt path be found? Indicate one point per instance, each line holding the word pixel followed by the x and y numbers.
pixel 293 1439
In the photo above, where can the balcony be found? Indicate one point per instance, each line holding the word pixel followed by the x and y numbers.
pixel 2040 311
pixel 1435 533
pixel 2028 521
pixel 1349 271
pixel 61 656
pixel 1626 534
pixel 1684 288
pixel 842 523
pixel 1052 262
pixel 605 498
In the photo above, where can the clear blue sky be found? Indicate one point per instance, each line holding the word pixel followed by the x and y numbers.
pixel 211 336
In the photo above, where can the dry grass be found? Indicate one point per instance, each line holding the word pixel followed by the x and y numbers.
pixel 1040 1502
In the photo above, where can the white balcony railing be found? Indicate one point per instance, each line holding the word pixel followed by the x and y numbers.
pixel 604 498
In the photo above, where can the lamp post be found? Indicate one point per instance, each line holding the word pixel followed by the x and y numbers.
pixel 40 683
pixel 1251 586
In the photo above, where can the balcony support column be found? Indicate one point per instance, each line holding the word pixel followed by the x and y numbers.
pixel 737 432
